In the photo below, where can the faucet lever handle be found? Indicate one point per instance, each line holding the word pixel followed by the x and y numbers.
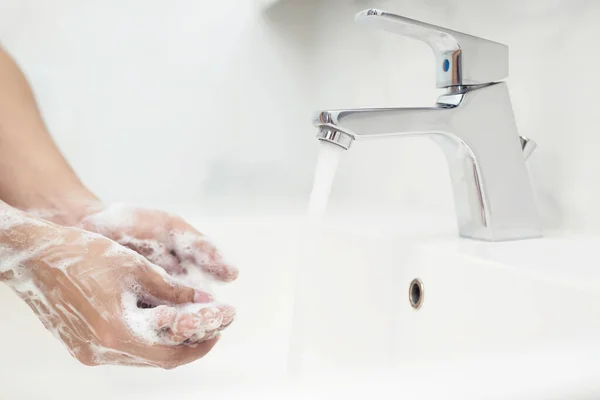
pixel 461 59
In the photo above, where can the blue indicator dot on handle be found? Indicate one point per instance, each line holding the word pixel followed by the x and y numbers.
pixel 446 65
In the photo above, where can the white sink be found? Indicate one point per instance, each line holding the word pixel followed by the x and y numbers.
pixel 498 320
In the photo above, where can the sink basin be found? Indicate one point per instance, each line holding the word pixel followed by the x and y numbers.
pixel 497 320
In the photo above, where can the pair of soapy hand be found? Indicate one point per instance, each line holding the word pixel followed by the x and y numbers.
pixel 122 286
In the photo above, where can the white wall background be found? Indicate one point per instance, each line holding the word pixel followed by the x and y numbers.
pixel 199 103
pixel 169 102
pixel 206 104
pixel 552 82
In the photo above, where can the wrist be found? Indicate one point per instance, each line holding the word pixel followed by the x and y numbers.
pixel 35 177
pixel 21 232
pixel 66 208
pixel 62 202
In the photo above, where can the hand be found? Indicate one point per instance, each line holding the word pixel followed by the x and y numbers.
pixel 106 303
pixel 164 239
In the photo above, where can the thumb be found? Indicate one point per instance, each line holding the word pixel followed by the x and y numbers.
pixel 158 284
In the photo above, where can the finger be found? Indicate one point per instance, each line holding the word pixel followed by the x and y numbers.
pixel 174 326
pixel 158 286
pixel 191 246
pixel 154 251
pixel 164 317
pixel 193 328
pixel 228 313
pixel 155 330
pixel 170 357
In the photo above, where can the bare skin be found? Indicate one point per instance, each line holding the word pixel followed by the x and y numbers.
pixel 33 172
pixel 77 283
pixel 164 239
pixel 35 177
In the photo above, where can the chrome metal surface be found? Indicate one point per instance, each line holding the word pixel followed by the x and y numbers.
pixel 416 293
pixel 336 137
pixel 476 129
pixel 477 132
pixel 528 146
pixel 460 59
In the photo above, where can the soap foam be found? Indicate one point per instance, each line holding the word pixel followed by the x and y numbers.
pixel 27 290
pixel 103 355
pixel 200 258
pixel 196 278
pixel 64 249
pixel 10 218
pixel 184 267
pixel 144 322
pixel 117 215
pixel 52 250
pixel 141 322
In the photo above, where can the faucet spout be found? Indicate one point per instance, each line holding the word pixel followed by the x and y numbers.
pixel 369 123
pixel 476 130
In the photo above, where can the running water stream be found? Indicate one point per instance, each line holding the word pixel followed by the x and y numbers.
pixel 327 164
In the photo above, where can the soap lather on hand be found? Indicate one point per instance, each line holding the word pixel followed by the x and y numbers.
pixel 116 284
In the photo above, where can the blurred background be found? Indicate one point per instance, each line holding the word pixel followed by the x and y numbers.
pixel 206 106
pixel 201 104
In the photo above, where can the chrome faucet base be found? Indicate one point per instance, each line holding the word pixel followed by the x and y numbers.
pixel 476 130
pixel 472 122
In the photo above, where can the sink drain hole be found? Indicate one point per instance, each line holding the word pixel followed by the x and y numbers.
pixel 416 294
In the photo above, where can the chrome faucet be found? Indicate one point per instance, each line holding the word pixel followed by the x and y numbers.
pixel 473 123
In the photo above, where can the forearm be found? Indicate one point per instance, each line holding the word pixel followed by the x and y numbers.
pixel 33 172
